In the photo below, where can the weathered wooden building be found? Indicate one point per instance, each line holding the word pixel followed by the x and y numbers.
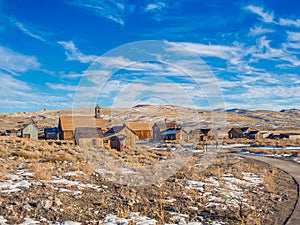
pixel 13 132
pixel 142 129
pixel 254 134
pixel 201 134
pixel 68 124
pixel 177 134
pixel 52 133
pixel 159 127
pixel 120 138
pixel 239 132
pixel 30 131
pixel 292 136
pixel 88 137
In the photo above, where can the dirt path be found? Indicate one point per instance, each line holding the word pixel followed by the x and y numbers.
pixel 294 170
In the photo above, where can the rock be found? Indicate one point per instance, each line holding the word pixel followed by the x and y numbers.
pixel 57 201
pixel 27 207
pixel 44 204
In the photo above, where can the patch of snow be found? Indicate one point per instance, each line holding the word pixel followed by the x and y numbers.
pixel 3 221
pixel 297 160
pixel 77 184
pixel 28 221
pixel 235 145
pixel 70 223
pixel 13 186
pixel 114 220
pixel 105 171
pixel 292 148
pixel 127 171
pixel 111 219
pixel 171 200
pixel 73 173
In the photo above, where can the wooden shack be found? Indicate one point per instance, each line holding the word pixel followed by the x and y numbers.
pixel 177 134
pixel 68 124
pixel 30 131
pixel 120 138
pixel 254 134
pixel 52 133
pixel 292 136
pixel 142 129
pixel 238 132
pixel 88 137
pixel 160 127
pixel 201 134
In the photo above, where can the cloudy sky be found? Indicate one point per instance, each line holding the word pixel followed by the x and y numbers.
pixel 54 53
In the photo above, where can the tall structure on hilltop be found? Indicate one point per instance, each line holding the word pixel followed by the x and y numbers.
pixel 97 112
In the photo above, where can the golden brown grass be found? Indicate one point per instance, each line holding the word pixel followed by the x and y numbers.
pixel 42 171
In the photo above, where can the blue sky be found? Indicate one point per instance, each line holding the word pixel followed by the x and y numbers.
pixel 47 51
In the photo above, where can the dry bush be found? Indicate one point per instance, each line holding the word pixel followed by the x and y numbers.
pixel 3 151
pixel 42 171
pixel 26 154
pixel 87 169
pixel 269 183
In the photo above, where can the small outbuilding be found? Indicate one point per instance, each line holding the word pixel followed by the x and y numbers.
pixel 177 134
pixel 52 133
pixel 120 138
pixel 142 129
pixel 254 134
pixel 292 136
pixel 159 127
pixel 201 134
pixel 88 137
pixel 30 132
pixel 238 132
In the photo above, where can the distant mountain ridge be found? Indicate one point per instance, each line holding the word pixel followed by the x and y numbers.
pixel 290 111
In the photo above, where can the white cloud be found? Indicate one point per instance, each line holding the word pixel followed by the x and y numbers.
pixel 293 41
pixel 26 31
pixel 17 95
pixel 289 22
pixel 155 6
pixel 14 62
pixel 62 87
pixel 73 54
pixel 258 30
pixel 294 36
pixel 263 50
pixel 219 51
pixel 266 17
pixel 109 9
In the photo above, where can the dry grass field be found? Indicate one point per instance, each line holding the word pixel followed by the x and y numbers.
pixel 50 182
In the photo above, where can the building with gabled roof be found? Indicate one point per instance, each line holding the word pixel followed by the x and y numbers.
pixel 68 124
pixel 254 134
pixel 120 138
pixel 88 137
pixel 201 134
pixel 238 132
pixel 177 134
pixel 52 133
pixel 142 129
pixel 30 131
pixel 160 127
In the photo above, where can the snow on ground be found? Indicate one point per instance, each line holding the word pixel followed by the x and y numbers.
pixel 133 217
pixel 15 182
pixel 235 145
pixel 227 191
pixel 23 179
pixel 246 152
